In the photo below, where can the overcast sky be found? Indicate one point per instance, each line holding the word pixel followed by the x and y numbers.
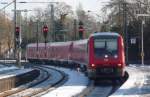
pixel 93 5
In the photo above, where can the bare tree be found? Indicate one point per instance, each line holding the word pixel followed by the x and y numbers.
pixel 6 32
pixel 62 9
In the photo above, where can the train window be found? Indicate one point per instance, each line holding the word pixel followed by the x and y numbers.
pixel 112 45
pixel 106 46
pixel 99 43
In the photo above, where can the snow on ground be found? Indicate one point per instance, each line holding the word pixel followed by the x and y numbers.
pixel 7 68
pixel 134 86
pixel 10 61
pixel 15 73
pixel 76 83
pixel 9 71
pixel 2 66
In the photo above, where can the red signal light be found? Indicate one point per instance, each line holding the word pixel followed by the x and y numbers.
pixel 45 31
pixel 17 29
pixel 81 29
pixel 17 32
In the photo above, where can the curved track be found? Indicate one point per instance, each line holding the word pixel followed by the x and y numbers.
pixel 51 77
pixel 99 89
pixel 103 88
pixel 48 78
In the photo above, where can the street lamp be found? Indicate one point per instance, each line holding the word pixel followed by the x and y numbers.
pixel 142 31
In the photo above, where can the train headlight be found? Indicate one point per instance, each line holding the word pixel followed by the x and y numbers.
pixel 119 65
pixel 93 65
pixel 106 56
pixel 116 56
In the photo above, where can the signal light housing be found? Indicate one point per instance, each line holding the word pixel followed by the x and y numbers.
pixel 17 32
pixel 81 29
pixel 45 31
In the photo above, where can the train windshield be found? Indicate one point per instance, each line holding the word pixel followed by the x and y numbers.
pixel 105 47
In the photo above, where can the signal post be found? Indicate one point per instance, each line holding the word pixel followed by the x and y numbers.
pixel 81 30
pixel 45 32
pixel 18 46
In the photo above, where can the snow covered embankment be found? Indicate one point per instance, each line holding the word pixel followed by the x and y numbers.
pixel 132 87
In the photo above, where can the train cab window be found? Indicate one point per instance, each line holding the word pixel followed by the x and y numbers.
pixel 112 45
pixel 106 46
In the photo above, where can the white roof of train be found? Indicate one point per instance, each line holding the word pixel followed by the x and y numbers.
pixel 81 41
pixel 57 43
pixel 48 44
pixel 105 33
pixel 35 44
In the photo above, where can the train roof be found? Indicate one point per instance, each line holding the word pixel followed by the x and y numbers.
pixel 81 41
pixel 35 44
pixel 58 43
pixel 105 33
pixel 51 44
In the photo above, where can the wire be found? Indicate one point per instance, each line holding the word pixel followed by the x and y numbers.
pixel 7 5
pixel 37 2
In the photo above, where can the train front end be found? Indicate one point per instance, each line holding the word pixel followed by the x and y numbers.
pixel 106 56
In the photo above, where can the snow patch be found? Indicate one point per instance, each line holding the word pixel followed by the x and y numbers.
pixel 76 83
pixel 131 88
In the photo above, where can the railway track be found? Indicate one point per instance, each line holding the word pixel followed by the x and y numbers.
pixel 52 77
pixel 99 89
pixel 102 88
pixel 48 78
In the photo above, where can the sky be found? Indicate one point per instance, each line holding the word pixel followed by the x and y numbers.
pixel 92 5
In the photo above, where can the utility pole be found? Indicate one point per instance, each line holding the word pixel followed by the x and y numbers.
pixel 142 49
pixel 75 29
pixel 52 23
pixel 26 23
pixel 120 16
pixel 18 39
pixel 15 31
pixel 37 39
pixel 125 28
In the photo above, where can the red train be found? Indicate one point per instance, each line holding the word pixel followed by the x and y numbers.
pixel 102 55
